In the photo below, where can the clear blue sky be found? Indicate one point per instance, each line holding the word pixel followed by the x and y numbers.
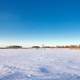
pixel 29 22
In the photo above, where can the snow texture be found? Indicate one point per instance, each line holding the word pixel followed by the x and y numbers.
pixel 39 64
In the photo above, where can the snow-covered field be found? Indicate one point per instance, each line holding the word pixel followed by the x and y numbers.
pixel 39 64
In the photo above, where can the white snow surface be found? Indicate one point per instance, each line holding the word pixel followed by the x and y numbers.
pixel 39 64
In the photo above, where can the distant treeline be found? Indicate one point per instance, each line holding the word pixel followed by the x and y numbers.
pixel 66 46
pixel 21 47
pixel 11 47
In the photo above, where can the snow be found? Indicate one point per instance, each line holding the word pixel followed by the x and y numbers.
pixel 39 64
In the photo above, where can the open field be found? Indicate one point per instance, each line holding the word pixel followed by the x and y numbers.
pixel 39 64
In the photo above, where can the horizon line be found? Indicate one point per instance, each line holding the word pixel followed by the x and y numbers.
pixel 41 45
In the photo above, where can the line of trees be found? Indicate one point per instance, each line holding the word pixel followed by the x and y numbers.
pixel 14 46
pixel 20 47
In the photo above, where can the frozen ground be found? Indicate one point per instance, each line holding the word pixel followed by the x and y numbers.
pixel 39 64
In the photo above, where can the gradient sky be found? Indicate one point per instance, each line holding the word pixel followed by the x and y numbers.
pixel 29 22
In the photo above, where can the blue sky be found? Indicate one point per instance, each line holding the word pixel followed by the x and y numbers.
pixel 29 22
